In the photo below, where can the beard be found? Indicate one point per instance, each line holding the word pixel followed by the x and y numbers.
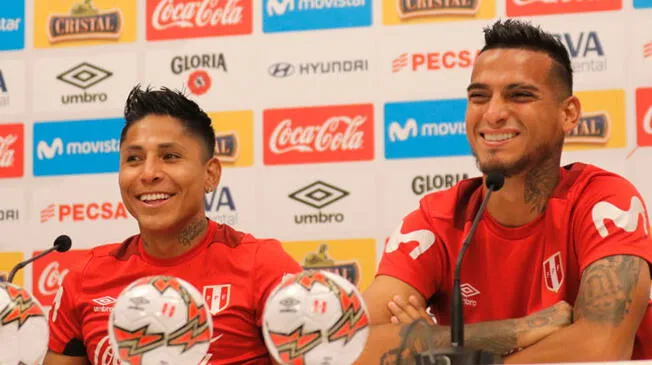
pixel 538 156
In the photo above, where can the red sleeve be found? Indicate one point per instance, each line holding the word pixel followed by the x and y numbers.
pixel 65 325
pixel 611 220
pixel 271 263
pixel 413 254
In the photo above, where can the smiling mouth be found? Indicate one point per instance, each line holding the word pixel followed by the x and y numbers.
pixel 154 198
pixel 498 137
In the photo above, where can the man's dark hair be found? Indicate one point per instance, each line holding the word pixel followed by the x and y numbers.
pixel 519 34
pixel 141 103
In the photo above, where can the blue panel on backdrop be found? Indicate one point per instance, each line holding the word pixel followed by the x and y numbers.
pixel 77 147
pixel 12 25
pixel 299 15
pixel 641 4
pixel 432 128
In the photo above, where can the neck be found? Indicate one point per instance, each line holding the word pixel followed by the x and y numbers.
pixel 524 197
pixel 168 245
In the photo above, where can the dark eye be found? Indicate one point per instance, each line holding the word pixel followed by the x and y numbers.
pixel 522 94
pixel 170 156
pixel 131 158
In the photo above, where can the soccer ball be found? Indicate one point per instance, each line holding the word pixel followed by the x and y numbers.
pixel 315 317
pixel 23 326
pixel 160 320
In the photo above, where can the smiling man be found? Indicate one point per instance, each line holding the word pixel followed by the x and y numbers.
pixel 559 267
pixel 167 164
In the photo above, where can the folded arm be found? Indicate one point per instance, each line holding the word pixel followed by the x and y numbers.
pixel 610 305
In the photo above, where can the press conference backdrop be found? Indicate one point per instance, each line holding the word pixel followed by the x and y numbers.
pixel 333 117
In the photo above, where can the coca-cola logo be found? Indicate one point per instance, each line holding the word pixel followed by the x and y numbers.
pixel 198 18
pixel 329 136
pixel 51 278
pixel 318 134
pixel 103 354
pixel 543 7
pixel 7 153
pixel 647 121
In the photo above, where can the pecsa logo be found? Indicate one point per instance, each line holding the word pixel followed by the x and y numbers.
pixel 177 19
pixel 516 8
pixel 412 9
pixel 11 150
pixel 85 21
pixel 196 68
pixel 586 51
pixel 434 61
pixel 50 271
pixel 318 134
pixel 84 212
pixel 644 116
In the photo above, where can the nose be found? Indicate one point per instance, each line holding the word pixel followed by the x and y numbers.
pixel 151 171
pixel 496 113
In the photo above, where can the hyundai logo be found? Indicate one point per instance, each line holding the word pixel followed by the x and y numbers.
pixel 281 69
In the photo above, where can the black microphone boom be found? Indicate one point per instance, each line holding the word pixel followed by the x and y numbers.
pixel 457 354
pixel 61 244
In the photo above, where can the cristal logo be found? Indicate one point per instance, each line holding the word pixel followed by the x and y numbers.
pixel 326 137
pixel 7 153
pixel 51 278
pixel 45 151
pixel 191 14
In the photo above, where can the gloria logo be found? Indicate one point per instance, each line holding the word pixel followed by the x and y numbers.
pixel 318 134
pixel 319 195
pixel 83 212
pixel 602 123
pixel 301 15
pixel 220 206
pixel 196 68
pixel 422 184
pixel 353 259
pixel 410 11
pixel 7 262
pixel 284 69
pixel 644 116
pixel 517 8
pixel 84 22
pixel 77 147
pixel 12 25
pixel 50 271
pixel 11 150
pixel 434 61
pixel 642 4
pixel 586 51
pixel 177 19
pixel 426 129
pixel 234 137
pixel 84 76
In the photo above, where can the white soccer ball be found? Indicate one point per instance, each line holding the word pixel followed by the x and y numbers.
pixel 315 318
pixel 23 326
pixel 160 320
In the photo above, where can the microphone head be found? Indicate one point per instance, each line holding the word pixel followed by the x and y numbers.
pixel 63 243
pixel 495 180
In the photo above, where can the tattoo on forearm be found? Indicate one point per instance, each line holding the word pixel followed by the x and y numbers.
pixel 607 288
pixel 539 183
pixel 499 337
pixel 191 231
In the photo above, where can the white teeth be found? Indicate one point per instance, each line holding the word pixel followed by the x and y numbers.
pixel 494 137
pixel 150 197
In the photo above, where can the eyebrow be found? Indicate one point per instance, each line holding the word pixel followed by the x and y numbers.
pixel 520 85
pixel 160 146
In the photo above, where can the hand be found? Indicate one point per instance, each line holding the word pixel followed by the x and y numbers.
pixel 404 312
pixel 538 325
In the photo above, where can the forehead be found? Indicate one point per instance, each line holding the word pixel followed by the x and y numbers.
pixel 502 67
pixel 157 128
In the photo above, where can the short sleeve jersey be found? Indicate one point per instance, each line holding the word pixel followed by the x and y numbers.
pixel 512 272
pixel 234 271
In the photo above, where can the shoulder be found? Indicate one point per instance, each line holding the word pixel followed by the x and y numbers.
pixel 586 185
pixel 455 204
pixel 97 256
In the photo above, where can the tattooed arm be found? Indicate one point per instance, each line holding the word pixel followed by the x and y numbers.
pixel 610 305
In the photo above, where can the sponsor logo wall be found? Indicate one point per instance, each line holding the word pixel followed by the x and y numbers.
pixel 332 118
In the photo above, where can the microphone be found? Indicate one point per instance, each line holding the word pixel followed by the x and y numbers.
pixel 61 244
pixel 457 354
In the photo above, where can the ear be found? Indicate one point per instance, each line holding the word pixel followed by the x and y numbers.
pixel 213 174
pixel 571 113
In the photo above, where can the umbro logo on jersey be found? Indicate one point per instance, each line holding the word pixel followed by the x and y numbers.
pixel 105 304
pixel 468 291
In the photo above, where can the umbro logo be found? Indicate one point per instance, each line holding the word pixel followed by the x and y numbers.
pixel 105 304
pixel 468 291
pixel 84 75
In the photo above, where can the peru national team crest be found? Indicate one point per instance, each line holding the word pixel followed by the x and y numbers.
pixel 217 297
pixel 553 272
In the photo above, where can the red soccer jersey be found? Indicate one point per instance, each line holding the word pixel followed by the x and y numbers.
pixel 512 272
pixel 235 271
